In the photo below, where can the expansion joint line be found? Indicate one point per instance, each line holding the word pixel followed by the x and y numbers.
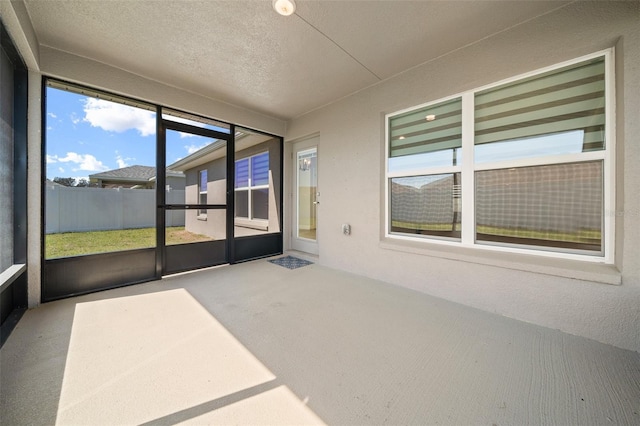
pixel 338 46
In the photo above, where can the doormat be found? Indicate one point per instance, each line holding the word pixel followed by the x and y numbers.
pixel 290 262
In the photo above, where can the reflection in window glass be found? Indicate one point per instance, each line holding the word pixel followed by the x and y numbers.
pixel 536 146
pixel 554 206
pixel 426 205
pixel 307 189
pixel 100 175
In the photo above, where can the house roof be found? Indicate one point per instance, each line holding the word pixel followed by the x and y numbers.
pixel 203 155
pixel 131 173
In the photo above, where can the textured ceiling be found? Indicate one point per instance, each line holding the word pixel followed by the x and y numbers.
pixel 243 53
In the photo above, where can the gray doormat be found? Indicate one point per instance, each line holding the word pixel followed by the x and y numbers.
pixel 290 262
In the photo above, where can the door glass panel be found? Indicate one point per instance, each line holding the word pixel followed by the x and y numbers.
pixel 100 174
pixel 196 175
pixel 307 190
pixel 257 183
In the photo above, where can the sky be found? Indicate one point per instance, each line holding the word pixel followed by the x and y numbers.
pixel 85 135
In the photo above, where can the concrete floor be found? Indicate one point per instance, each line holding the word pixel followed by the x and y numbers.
pixel 257 343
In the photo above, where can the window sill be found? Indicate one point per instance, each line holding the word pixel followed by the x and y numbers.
pixel 202 217
pixel 262 225
pixel 10 275
pixel 566 268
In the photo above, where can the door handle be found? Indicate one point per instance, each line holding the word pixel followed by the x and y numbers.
pixel 316 202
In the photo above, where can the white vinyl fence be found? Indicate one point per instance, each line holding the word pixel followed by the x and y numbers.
pixel 71 209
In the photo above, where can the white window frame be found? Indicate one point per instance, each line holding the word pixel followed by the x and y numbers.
pixel 202 213
pixel 469 167
pixel 250 220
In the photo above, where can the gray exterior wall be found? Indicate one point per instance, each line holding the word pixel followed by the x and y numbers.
pixel 214 224
pixel 560 294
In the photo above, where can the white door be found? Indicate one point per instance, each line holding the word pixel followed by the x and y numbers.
pixel 306 196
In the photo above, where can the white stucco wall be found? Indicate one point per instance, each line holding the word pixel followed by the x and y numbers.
pixel 568 296
pixel 69 67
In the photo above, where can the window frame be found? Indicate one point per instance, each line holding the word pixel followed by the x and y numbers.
pixel 202 213
pixel 250 187
pixel 469 167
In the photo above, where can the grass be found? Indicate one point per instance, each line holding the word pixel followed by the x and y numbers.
pixel 583 236
pixel 80 243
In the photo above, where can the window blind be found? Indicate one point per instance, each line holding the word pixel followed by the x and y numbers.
pixel 413 133
pixel 569 99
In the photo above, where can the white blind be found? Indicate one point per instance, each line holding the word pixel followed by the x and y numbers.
pixel 569 99
pixel 412 133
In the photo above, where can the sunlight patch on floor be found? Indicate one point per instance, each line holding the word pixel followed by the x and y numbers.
pixel 140 358
pixel 277 406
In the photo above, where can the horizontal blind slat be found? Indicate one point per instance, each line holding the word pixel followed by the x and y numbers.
pixel 411 133
pixel 557 102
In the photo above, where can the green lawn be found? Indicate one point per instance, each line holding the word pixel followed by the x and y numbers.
pixel 79 243
pixel 582 236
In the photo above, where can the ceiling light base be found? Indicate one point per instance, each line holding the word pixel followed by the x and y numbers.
pixel 284 7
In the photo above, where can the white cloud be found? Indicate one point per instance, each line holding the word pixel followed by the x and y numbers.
pixel 52 115
pixel 60 169
pixel 122 162
pixel 193 148
pixel 74 118
pixel 86 162
pixel 119 118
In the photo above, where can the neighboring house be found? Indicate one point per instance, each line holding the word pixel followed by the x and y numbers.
pixel 256 186
pixel 136 177
pixel 48 183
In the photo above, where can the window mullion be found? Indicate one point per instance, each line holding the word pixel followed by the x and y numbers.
pixel 609 207
pixel 468 177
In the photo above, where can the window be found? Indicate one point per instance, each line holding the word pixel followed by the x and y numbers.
pixel 202 192
pixel 252 187
pixel 522 165
pixel 100 176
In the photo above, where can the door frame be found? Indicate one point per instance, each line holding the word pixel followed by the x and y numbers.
pixel 302 244
pixel 205 254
